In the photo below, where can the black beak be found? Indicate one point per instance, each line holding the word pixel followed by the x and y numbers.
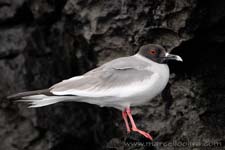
pixel 173 57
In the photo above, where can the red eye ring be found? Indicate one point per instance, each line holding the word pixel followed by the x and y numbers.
pixel 152 52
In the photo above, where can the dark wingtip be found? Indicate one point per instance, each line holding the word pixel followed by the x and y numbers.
pixel 28 93
pixel 9 97
pixel 12 97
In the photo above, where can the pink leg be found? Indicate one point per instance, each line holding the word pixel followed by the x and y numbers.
pixel 124 114
pixel 134 127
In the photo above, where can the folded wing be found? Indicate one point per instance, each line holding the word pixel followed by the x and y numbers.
pixel 120 78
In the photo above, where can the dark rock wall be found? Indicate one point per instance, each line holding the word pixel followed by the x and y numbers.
pixel 43 42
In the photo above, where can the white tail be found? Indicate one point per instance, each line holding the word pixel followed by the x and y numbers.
pixel 43 100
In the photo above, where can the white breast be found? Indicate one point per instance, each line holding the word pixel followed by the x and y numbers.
pixel 159 81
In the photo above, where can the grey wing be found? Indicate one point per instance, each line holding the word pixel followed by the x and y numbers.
pixel 112 79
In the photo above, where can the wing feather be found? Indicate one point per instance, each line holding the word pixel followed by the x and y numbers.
pixel 112 79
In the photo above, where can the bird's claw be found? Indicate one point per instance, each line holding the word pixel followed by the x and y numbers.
pixel 147 135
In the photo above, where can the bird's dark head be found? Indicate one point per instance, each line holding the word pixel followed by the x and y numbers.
pixel 157 53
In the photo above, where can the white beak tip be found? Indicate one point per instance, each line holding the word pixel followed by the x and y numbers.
pixel 179 59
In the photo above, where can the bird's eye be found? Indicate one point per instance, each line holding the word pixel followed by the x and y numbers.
pixel 152 52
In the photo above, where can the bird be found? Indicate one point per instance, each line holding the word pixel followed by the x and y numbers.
pixel 121 83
